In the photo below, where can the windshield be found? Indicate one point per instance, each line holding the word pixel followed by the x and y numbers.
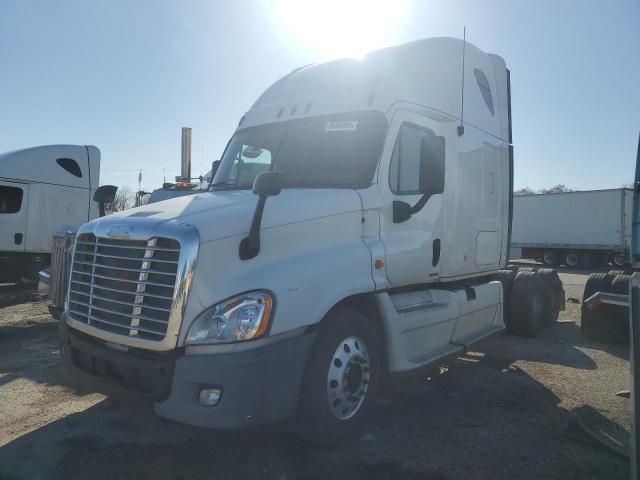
pixel 332 151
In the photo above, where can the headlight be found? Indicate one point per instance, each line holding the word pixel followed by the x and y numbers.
pixel 243 317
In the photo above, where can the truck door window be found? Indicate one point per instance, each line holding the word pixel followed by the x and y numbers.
pixel 10 199
pixel 404 173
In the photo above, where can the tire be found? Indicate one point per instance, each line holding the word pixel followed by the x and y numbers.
pixel 573 260
pixel 527 304
pixel 619 260
pixel 550 258
pixel 554 297
pixel 611 274
pixel 506 277
pixel 594 323
pixel 342 379
pixel 618 330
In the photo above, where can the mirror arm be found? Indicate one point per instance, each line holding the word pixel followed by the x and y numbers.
pixel 420 203
pixel 250 245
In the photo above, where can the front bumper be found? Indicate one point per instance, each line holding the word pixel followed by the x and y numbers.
pixel 259 385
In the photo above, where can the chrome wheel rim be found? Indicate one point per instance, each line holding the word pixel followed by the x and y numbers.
pixel 348 378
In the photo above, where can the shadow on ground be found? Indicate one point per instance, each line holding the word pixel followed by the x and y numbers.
pixel 479 417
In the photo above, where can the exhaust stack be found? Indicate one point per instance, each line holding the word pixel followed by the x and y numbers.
pixel 185 165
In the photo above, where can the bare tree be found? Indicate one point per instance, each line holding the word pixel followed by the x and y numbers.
pixel 523 191
pixel 557 189
pixel 125 198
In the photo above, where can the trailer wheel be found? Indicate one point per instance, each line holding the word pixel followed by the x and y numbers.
pixel 573 260
pixel 550 258
pixel 341 379
pixel 506 277
pixel 619 260
pixel 594 323
pixel 554 294
pixel 527 304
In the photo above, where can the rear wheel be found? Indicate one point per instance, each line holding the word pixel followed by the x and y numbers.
pixel 554 294
pixel 527 304
pixel 341 379
pixel 594 322
pixel 573 260
pixel 506 277
pixel 619 260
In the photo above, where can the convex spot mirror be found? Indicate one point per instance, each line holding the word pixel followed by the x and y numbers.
pixel 268 184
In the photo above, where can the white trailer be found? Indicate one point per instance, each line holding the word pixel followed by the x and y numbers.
pixel 579 229
pixel 41 189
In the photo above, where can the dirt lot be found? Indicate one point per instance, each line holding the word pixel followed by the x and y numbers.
pixel 498 412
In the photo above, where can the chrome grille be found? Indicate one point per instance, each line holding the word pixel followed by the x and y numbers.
pixel 124 286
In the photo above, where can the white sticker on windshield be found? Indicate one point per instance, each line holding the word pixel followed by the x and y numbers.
pixel 342 126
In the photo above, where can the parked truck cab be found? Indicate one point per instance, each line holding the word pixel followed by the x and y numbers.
pixel 41 189
pixel 352 231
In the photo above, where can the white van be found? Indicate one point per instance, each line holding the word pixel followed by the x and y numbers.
pixel 42 188
pixel 354 229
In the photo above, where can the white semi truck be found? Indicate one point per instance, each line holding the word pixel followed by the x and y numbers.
pixel 578 229
pixel 354 230
pixel 41 189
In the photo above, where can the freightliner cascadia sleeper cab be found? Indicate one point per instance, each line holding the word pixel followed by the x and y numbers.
pixel 354 230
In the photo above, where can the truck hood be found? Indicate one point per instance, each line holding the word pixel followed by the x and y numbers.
pixel 227 213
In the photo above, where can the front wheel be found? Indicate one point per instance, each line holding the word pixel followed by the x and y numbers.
pixel 341 379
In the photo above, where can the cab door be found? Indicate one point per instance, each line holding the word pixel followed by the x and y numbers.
pixel 412 245
pixel 13 215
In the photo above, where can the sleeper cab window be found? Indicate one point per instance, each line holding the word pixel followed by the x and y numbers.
pixel 10 199
pixel 485 89
pixel 71 166
pixel 404 172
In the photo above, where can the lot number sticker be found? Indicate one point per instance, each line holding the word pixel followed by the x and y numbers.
pixel 341 126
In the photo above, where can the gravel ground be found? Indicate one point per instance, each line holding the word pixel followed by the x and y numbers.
pixel 500 411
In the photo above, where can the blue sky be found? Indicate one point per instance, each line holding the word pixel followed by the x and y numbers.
pixel 126 75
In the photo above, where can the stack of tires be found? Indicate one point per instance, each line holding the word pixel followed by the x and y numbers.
pixel 609 323
pixel 532 299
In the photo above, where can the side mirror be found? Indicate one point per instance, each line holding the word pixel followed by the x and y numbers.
pixel 432 165
pixel 268 184
pixel 104 195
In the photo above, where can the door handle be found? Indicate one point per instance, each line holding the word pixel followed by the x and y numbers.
pixel 17 238
pixel 435 258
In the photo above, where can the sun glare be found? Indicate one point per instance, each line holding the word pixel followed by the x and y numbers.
pixel 340 28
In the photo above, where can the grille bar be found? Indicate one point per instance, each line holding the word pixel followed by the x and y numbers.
pixel 129 298
pixel 113 245
pixel 114 324
pixel 119 302
pixel 137 270
pixel 105 277
pixel 115 290
pixel 118 257
pixel 120 314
